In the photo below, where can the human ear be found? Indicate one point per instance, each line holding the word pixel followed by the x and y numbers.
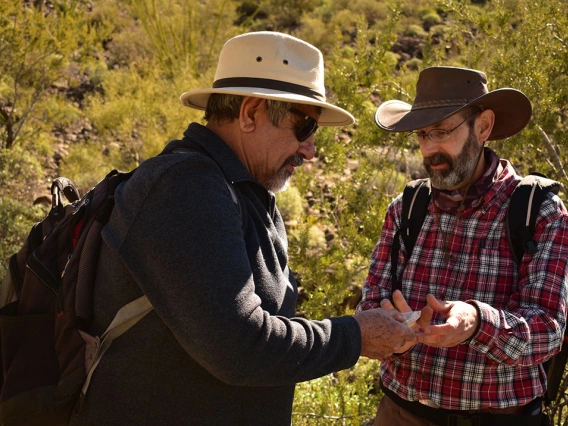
pixel 484 124
pixel 250 112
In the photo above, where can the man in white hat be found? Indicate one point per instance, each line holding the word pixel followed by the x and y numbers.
pixel 490 321
pixel 197 231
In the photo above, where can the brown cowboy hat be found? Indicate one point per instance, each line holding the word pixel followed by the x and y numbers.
pixel 444 91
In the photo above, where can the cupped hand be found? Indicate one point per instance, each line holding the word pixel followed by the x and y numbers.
pixel 462 322
pixel 401 305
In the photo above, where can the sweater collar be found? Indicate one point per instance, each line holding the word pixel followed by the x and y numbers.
pixel 202 139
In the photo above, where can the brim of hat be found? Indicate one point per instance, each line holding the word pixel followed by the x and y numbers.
pixel 511 107
pixel 330 114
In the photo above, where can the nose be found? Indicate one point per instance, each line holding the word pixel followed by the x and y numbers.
pixel 307 149
pixel 428 146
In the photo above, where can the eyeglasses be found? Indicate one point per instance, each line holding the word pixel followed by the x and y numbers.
pixel 436 135
pixel 306 129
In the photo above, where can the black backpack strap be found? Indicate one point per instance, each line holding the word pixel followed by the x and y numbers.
pixel 415 200
pixel 523 211
pixel 526 201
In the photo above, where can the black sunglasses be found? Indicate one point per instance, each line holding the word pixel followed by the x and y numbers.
pixel 308 128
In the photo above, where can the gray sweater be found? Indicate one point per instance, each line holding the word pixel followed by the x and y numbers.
pixel 222 346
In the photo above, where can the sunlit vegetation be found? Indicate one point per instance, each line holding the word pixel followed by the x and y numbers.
pixel 87 86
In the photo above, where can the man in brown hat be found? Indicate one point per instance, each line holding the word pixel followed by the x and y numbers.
pixel 488 323
pixel 197 231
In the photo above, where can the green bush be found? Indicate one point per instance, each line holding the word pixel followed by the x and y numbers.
pixel 154 50
pixel 39 50
pixel 414 31
pixel 413 64
pixel 290 204
pixel 16 220
pixel 346 398
pixel 88 163
pixel 430 20
pixel 21 175
pixel 424 11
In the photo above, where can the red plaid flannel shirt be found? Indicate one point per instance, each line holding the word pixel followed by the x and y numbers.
pixel 523 314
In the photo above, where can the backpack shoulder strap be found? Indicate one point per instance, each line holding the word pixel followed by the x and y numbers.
pixel 415 200
pixel 523 211
pixel 125 318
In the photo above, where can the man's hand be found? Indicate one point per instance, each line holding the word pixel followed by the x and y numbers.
pixel 401 306
pixel 382 332
pixel 462 321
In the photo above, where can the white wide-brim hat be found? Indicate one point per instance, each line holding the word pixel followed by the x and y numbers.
pixel 275 66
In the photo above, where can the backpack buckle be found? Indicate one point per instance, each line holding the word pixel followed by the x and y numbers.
pixel 459 420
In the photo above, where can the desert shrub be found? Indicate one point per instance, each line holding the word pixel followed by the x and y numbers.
pixel 290 204
pixel 315 32
pixel 424 11
pixel 346 398
pixel 21 175
pixel 88 163
pixel 438 30
pixel 141 111
pixel 413 64
pixel 430 20
pixel 414 31
pixel 373 11
pixel 16 220
pixel 156 50
pixel 38 48
pixel 184 36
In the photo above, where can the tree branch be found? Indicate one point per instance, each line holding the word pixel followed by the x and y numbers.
pixel 553 154
pixel 9 128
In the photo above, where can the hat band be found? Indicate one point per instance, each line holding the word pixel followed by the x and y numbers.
pixel 266 83
pixel 441 103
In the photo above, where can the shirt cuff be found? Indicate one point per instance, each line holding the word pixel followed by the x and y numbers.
pixel 485 337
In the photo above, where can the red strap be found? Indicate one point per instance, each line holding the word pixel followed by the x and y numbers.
pixel 76 230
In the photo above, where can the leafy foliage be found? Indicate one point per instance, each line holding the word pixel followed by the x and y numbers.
pixel 79 102
pixel 38 46
pixel 338 399
pixel 15 219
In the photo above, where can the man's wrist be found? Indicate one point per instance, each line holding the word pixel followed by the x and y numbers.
pixel 477 323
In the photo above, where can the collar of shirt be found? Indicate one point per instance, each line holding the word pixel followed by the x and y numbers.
pixel 203 140
pixel 233 169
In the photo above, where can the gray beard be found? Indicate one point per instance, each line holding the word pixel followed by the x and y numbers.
pixel 461 168
pixel 281 180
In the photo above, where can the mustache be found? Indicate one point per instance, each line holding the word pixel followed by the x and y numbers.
pixel 297 160
pixel 438 158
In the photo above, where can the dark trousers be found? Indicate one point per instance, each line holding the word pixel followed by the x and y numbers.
pixel 390 413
